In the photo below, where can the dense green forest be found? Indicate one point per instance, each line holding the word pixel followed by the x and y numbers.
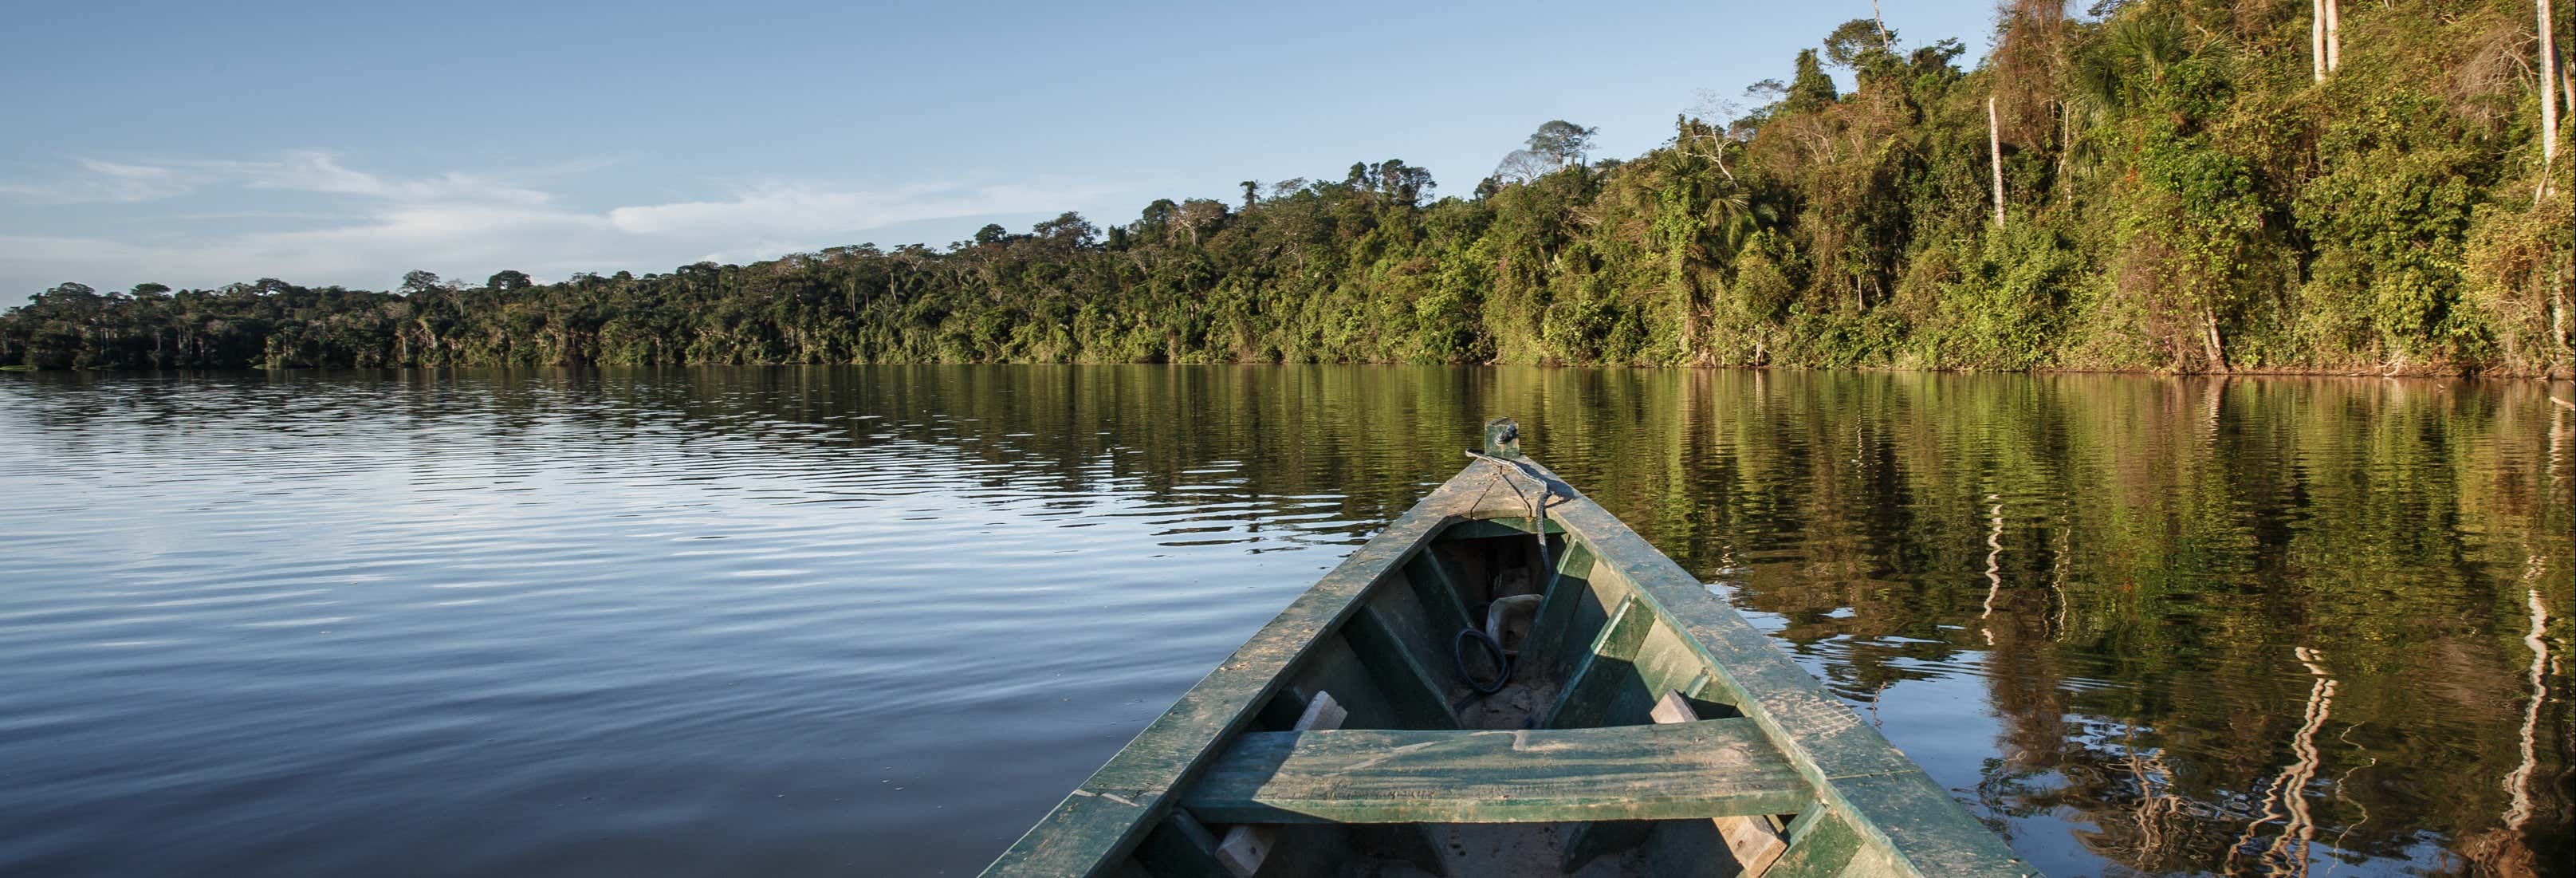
pixel 2184 187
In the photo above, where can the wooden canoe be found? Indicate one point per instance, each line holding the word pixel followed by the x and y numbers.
pixel 1645 729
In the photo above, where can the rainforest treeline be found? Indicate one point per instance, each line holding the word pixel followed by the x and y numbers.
pixel 2186 186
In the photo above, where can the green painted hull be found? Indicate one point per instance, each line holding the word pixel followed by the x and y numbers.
pixel 1573 768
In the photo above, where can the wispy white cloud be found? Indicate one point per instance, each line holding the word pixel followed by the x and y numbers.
pixel 321 172
pixel 100 181
pixel 128 172
pixel 790 209
pixel 309 171
pixel 464 223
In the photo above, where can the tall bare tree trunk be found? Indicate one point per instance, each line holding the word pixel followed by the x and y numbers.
pixel 2548 98
pixel 2210 341
pixel 2566 86
pixel 2065 141
pixel 1690 321
pixel 1995 151
pixel 2558 307
pixel 2334 34
pixel 2317 37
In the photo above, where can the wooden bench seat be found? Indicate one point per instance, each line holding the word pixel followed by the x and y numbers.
pixel 1710 768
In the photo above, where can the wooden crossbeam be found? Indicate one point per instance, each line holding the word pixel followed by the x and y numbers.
pixel 1419 697
pixel 1181 848
pixel 1600 670
pixel 1711 768
pixel 1438 591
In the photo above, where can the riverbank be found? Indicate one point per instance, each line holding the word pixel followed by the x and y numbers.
pixel 2558 375
pixel 2170 189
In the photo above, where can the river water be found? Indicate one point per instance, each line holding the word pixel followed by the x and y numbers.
pixel 876 620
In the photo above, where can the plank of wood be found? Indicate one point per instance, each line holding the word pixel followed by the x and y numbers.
pixel 1244 847
pixel 1284 707
pixel 1825 848
pixel 1659 772
pixel 1663 662
pixel 1181 848
pixel 1572 603
pixel 1755 843
pixel 1417 694
pixel 1600 670
pixel 1498 526
pixel 1673 708
pixel 1437 590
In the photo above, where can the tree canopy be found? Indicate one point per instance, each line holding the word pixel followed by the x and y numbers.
pixel 2185 197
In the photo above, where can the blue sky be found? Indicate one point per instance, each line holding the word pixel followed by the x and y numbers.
pixel 197 144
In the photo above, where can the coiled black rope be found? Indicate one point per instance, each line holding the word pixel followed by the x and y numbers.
pixel 1502 660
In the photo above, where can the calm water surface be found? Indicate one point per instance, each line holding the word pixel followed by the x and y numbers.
pixel 877 620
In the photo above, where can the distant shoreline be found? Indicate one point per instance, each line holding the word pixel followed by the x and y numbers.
pixel 2455 375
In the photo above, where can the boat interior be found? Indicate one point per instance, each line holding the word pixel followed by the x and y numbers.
pixel 1610 747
